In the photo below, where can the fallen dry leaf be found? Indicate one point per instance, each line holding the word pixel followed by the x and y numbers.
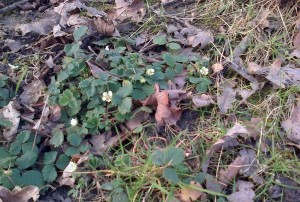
pixel 296 53
pixel 139 116
pixel 105 27
pixel 201 38
pixel 19 195
pixel 103 142
pixel 188 194
pixel 133 10
pixel 279 76
pixel 228 140
pixel 32 92
pixel 233 169
pixel 217 67
pixel 42 26
pixel 13 45
pixel 296 40
pixel 292 125
pixel 202 100
pixel 226 99
pixel 245 193
pixel 10 113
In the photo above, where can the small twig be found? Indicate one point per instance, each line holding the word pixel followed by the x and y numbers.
pixel 12 6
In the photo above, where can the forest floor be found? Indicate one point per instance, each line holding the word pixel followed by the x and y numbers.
pixel 150 100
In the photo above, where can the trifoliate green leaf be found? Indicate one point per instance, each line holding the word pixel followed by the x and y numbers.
pixel 62 162
pixel 171 175
pixel 160 40
pixel 32 177
pixel 49 157
pixel 27 159
pixel 169 60
pixel 158 158
pixel 49 173
pixel 57 137
pixel 125 106
pixel 174 46
pixel 173 156
pixel 66 97
pixel 80 32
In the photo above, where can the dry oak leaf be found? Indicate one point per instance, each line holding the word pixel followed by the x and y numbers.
pixel 245 193
pixel 18 194
pixel 202 100
pixel 226 99
pixel 292 125
pixel 188 194
pixel 132 9
pixel 32 92
pixel 10 113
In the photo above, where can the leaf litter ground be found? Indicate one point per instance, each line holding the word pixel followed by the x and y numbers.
pixel 217 120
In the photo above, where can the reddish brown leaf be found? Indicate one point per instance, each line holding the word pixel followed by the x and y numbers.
pixel 105 27
pixel 188 194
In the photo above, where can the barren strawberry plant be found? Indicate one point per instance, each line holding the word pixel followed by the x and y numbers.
pixel 149 100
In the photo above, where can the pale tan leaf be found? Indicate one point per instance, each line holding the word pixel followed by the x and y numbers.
pixel 226 99
pixel 188 194
pixel 292 125
pixel 217 67
pixel 244 193
pixel 10 113
pixel 202 100
pixel 18 194
pixel 105 27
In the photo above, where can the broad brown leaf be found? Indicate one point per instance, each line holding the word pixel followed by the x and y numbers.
pixel 292 125
pixel 18 194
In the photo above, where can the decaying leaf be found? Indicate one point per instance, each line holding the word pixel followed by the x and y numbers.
pixel 244 193
pixel 201 39
pixel 296 53
pixel 226 99
pixel 13 45
pixel 139 116
pixel 188 194
pixel 296 40
pixel 217 67
pixel 103 142
pixel 165 114
pixel 32 92
pixel 202 100
pixel 228 140
pixel 41 26
pixel 18 194
pixel 10 113
pixel 133 10
pixel 292 125
pixel 105 27
pixel 277 75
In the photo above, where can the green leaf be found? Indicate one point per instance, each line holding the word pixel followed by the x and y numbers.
pixel 200 177
pixel 49 157
pixel 160 40
pixel 28 146
pixel 169 60
pixel 62 162
pixel 73 137
pixel 5 123
pixel 125 106
pixel 158 158
pixel 6 160
pixel 71 151
pixel 81 31
pixel 67 96
pixel 120 197
pixel 173 156
pixel 23 136
pixel 201 87
pixel 194 80
pixel 49 173
pixel 27 160
pixel 11 179
pixel 170 73
pixel 174 46
pixel 74 107
pixel 32 177
pixel 15 148
pixel 57 137
pixel 171 175
pixel 125 90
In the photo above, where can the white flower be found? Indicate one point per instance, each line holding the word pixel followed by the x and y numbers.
pixel 71 167
pixel 125 82
pixel 204 71
pixel 150 72
pixel 106 96
pixel 107 48
pixel 142 80
pixel 74 122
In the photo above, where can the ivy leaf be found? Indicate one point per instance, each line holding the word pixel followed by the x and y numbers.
pixel 32 177
pixel 57 137
pixel 125 105
pixel 27 159
pixel 49 157
pixel 173 156
pixel 174 46
pixel 62 162
pixel 169 60
pixel 81 31
pixel 49 173
pixel 66 97
pixel 171 175
pixel 158 158
pixel 160 40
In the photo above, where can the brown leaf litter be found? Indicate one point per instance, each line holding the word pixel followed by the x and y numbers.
pixel 188 194
pixel 244 193
pixel 10 113
pixel 19 195
pixel 292 125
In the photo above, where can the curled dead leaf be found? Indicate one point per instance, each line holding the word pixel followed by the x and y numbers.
pixel 292 125
pixel 244 193
pixel 32 92
pixel 10 113
pixel 226 99
pixel 202 100
pixel 18 194
pixel 217 67
pixel 188 194
pixel 105 27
